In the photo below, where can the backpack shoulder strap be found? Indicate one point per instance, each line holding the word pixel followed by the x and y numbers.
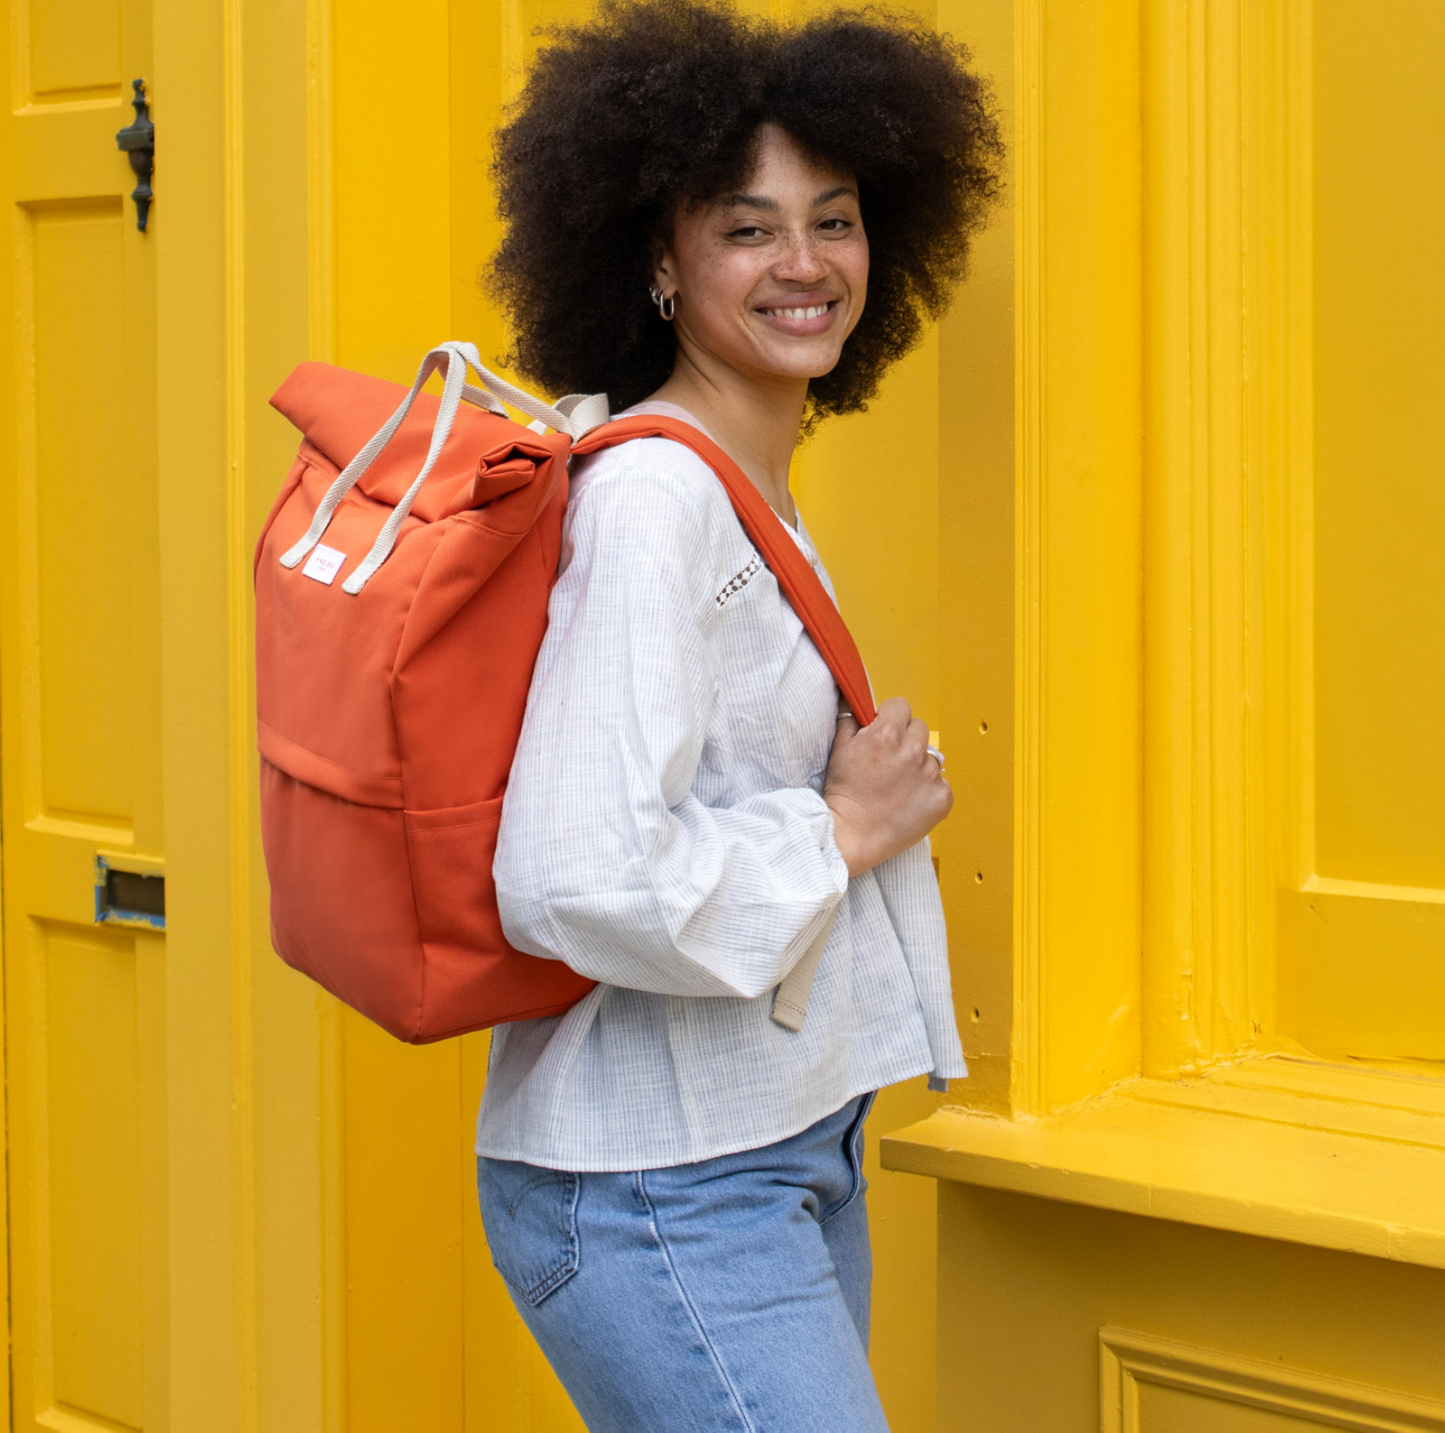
pixel 810 601
pixel 799 582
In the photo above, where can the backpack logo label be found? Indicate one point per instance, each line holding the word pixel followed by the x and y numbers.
pixel 323 564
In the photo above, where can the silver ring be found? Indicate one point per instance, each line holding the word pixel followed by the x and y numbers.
pixel 937 755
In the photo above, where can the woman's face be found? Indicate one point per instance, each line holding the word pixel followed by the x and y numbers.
pixel 770 281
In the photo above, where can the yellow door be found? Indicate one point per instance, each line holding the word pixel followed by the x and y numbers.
pixel 431 1338
pixel 79 626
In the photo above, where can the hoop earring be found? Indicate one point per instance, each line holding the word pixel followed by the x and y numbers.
pixel 667 306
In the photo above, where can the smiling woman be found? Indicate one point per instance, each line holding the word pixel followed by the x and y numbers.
pixel 735 227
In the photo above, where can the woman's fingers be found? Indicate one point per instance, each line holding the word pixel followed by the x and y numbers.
pixel 885 790
pixel 918 738
pixel 894 712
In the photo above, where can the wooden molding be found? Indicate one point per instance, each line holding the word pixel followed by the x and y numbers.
pixel 1248 1158
pixel 1221 134
pixel 1077 825
pixel 1129 1360
pixel 1027 1074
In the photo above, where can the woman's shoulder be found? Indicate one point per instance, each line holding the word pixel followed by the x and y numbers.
pixel 647 472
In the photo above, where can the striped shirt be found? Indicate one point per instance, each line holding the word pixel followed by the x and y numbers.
pixel 664 833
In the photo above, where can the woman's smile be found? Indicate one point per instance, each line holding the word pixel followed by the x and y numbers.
pixel 803 316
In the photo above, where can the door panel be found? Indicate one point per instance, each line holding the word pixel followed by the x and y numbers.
pixel 79 730
pixel 82 572
pixel 1363 940
pixel 1179 1411
pixel 89 1110
pixel 74 49
pixel 1379 469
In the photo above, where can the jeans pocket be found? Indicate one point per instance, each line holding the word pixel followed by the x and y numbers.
pixel 853 1155
pixel 530 1217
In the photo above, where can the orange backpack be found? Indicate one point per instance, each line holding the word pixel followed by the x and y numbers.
pixel 392 665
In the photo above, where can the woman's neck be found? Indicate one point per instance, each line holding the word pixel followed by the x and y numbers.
pixel 755 424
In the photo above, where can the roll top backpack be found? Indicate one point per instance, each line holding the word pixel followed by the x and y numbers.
pixel 402 579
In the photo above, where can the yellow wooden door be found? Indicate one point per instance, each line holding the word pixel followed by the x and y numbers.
pixel 79 624
pixel 431 1338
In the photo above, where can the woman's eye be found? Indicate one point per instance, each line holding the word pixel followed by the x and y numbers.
pixel 835 226
pixel 748 231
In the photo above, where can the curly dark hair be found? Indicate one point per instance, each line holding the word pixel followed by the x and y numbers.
pixel 658 102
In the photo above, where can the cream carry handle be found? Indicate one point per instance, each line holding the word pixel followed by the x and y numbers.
pixel 574 415
pixel 790 995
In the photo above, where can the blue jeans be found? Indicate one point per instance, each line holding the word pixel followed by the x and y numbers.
pixel 729 1294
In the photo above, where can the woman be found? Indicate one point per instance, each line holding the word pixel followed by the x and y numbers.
pixel 740 226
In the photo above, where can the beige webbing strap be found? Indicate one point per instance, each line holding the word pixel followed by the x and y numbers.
pixel 790 999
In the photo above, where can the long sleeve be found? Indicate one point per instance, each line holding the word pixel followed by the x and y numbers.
pixel 606 859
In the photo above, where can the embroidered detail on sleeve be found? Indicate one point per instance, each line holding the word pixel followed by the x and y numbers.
pixel 740 580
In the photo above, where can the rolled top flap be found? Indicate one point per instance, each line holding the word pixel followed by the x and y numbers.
pixel 485 457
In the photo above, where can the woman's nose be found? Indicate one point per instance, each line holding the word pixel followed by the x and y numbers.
pixel 801 259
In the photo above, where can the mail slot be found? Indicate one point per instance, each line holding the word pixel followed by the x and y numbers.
pixel 125 895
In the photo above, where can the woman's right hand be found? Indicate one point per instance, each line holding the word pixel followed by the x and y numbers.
pixel 885 791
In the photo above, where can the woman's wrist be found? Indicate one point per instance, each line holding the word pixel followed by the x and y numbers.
pixel 852 843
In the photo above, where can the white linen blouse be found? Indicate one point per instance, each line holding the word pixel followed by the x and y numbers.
pixel 664 833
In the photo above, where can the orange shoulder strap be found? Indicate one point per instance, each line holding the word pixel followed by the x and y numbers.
pixel 794 574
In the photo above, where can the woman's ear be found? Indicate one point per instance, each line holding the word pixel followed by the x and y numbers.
pixel 664 265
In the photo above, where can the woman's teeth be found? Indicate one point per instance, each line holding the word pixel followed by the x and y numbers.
pixel 816 312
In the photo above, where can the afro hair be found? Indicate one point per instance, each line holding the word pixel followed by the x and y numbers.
pixel 657 103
